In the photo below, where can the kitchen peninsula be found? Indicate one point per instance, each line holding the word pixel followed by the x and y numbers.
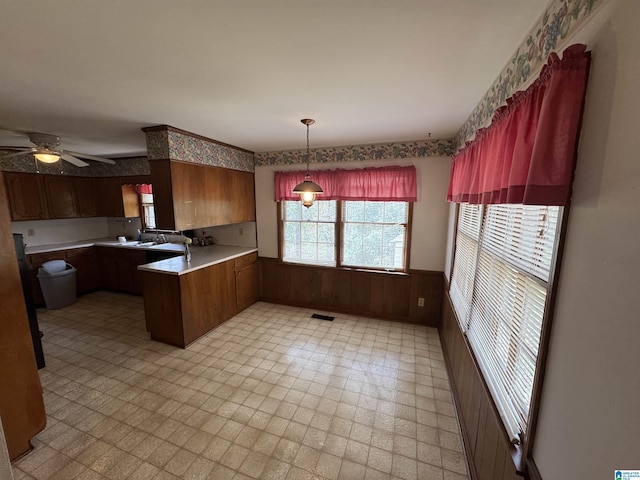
pixel 185 300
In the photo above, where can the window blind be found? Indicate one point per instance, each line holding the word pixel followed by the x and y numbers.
pixel 499 290
pixel 464 262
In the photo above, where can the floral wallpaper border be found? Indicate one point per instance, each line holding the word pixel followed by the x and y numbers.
pixel 382 151
pixel 123 167
pixel 560 19
pixel 167 143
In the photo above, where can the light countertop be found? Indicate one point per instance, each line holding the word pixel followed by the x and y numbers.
pixel 201 257
pixel 103 242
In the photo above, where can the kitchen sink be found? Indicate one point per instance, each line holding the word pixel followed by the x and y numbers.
pixel 146 244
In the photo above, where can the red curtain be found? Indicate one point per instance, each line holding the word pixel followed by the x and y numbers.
pixel 527 153
pixel 383 184
pixel 144 188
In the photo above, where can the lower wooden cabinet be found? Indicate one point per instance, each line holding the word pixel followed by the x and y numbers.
pixel 246 272
pixel 118 268
pixel 179 309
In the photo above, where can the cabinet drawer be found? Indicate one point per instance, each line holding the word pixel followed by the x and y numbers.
pixel 37 259
pixel 78 252
pixel 246 260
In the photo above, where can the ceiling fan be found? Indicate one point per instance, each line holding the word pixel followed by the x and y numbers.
pixel 47 149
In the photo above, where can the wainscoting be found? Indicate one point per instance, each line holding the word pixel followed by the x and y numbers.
pixel 376 294
pixel 488 451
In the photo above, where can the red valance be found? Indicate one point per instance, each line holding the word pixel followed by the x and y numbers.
pixel 527 154
pixel 382 184
pixel 144 188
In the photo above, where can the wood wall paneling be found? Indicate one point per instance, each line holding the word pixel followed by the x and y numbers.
pixel 378 294
pixel 487 449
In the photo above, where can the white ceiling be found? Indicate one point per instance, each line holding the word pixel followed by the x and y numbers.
pixel 245 72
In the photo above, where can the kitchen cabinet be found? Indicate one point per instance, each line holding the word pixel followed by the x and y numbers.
pixel 246 273
pixel 118 268
pixel 117 199
pixel 40 197
pixel 188 196
pixel 25 195
pixel 84 261
pixel 61 196
pixel 179 309
pixel 86 190
pixel 21 399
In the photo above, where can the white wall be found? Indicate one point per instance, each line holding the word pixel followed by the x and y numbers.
pixel 430 212
pixel 48 232
pixel 590 413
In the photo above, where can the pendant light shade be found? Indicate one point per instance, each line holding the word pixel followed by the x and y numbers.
pixel 308 189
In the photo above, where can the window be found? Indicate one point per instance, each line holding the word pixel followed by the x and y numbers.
pixel 148 211
pixel 370 234
pixel 500 288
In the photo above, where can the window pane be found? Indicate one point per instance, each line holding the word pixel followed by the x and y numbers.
pixel 374 234
pixel 309 233
pixel 374 212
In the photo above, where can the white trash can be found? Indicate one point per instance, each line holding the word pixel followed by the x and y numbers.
pixel 58 283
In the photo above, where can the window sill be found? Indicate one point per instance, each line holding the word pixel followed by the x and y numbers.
pixel 349 269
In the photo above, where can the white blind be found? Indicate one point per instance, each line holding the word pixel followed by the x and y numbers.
pixel 522 235
pixel 464 261
pixel 506 307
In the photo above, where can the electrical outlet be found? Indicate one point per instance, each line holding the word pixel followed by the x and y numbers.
pixel 31 232
pixel 241 230
pixel 421 301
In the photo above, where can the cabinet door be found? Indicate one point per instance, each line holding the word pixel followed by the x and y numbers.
pixel 84 261
pixel 137 258
pixel 88 195
pixel 243 197
pixel 107 269
pixel 60 192
pixel 246 286
pixel 25 194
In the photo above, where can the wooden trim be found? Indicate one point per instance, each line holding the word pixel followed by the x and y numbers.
pixel 280 228
pixel 407 246
pixel 169 128
pixel 532 470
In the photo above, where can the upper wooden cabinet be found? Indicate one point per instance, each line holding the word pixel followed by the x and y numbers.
pixel 188 196
pixel 86 188
pixel 117 198
pixel 38 197
pixel 62 199
pixel 25 194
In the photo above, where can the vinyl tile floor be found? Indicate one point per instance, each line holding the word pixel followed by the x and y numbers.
pixel 270 394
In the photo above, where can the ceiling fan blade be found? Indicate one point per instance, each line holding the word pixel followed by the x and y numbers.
pixel 90 157
pixel 77 162
pixel 16 154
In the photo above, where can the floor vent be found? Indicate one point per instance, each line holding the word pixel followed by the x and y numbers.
pixel 322 317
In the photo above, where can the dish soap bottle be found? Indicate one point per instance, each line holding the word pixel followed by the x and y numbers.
pixel 139 235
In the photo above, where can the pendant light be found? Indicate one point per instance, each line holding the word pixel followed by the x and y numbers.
pixel 308 189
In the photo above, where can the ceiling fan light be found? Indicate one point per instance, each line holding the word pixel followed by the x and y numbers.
pixel 47 157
